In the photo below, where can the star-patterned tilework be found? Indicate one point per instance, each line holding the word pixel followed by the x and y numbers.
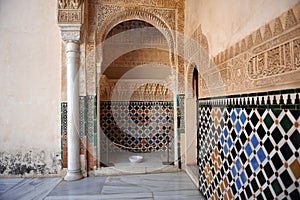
pixel 138 126
pixel 249 152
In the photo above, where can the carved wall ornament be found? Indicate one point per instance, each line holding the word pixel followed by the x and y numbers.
pixel 290 20
pixel 69 11
pixel 69 4
pixel 267 32
pixel 134 90
pixel 278 27
pixel 260 60
pixel 70 35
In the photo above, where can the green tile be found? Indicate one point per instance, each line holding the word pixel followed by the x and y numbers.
pixel 288 106
pixel 276 112
pixel 286 123
pixel 276 187
pixel 289 91
pixel 268 121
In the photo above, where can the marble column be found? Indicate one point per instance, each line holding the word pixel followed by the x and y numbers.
pixel 72 55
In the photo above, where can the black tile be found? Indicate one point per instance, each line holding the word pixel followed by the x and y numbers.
pixel 268 194
pixel 286 179
pixel 229 160
pixel 248 170
pixel 248 191
pixel 261 132
pixel 286 151
pixel 233 188
pixel 225 166
pixel 248 111
pixel 295 139
pixel 243 157
pixel 276 135
pixel 248 129
pixel 243 138
pixel 254 185
pixel 268 145
pixel 233 135
pixel 229 177
pixel 233 153
pixel 261 111
pixel 229 125
pixel 261 178
pixel 276 161
pixel 254 119
pixel 260 197
pixel 243 196
pixel 295 195
pixel 268 170
pixel 238 145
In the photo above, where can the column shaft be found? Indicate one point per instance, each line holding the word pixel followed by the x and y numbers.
pixel 72 54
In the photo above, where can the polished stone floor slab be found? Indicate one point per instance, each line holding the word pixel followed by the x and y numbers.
pixel 86 186
pixel 147 186
pixel 30 188
pixel 7 183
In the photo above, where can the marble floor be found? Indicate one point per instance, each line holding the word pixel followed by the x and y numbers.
pixel 162 186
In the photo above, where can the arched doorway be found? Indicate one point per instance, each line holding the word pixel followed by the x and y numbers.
pixel 136 112
pixel 191 128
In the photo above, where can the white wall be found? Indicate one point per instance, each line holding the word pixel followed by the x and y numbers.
pixel 226 22
pixel 30 76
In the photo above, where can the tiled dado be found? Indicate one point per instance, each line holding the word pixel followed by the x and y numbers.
pixel 138 126
pixel 87 129
pixel 249 150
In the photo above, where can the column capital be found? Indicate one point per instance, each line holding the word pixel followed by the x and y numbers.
pixel 70 18
pixel 70 32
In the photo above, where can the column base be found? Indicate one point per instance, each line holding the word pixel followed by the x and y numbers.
pixel 73 176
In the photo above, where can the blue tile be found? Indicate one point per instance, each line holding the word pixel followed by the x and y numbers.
pixel 254 163
pixel 238 110
pixel 233 170
pixel 225 132
pixel 261 155
pixel 254 141
pixel 238 183
pixel 238 164
pixel 230 142
pixel 243 118
pixel 243 177
pixel 248 150
pixel 238 127
pixel 226 149
pixel 222 140
pixel 233 116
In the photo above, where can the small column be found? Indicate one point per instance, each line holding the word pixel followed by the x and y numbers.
pixel 70 20
pixel 72 54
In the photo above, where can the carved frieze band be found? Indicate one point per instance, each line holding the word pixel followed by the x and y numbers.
pixel 275 61
pixel 156 3
pixel 278 31
pixel 138 90
pixel 69 11
pixel 262 59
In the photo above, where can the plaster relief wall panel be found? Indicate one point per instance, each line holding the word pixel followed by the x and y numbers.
pixel 226 22
pixel 30 86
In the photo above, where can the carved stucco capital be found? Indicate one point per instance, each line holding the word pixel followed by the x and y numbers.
pixel 70 32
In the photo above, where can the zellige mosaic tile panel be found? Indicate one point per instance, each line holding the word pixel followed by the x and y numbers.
pixel 249 152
